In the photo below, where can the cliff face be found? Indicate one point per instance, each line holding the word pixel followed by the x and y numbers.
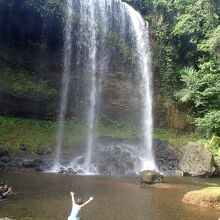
pixel 31 66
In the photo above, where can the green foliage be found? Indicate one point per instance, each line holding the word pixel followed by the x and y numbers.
pixel 174 138
pixel 202 89
pixel 212 144
pixel 34 133
pixel 121 46
pixel 209 123
pixel 188 77
pixel 15 131
pixel 196 19
pixel 212 44
pixel 108 127
pixel 186 49
pixel 23 82
pixel 46 8
pixel 202 93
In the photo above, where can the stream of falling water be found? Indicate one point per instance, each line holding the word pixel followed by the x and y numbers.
pixel 65 81
pixel 143 56
pixel 89 35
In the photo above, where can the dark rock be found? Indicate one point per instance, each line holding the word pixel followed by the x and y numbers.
pixel 67 171
pixel 38 169
pixel 116 159
pixel 197 161
pixel 150 177
pixel 38 161
pixel 30 105
pixel 2 164
pixel 32 163
pixel 3 152
pixel 43 150
pixel 5 159
pixel 167 157
pixel 17 163
pixel 23 147
pixel 29 164
pixel 61 171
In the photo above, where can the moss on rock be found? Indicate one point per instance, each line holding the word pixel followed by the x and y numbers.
pixel 208 197
pixel 23 82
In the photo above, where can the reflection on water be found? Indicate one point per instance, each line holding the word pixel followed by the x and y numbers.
pixel 46 197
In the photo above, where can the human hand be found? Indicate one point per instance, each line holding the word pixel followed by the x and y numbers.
pixel 72 193
pixel 91 198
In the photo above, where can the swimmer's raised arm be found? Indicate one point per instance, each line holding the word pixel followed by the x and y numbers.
pixel 72 196
pixel 88 201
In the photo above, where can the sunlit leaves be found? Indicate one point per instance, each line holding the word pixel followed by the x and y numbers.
pixel 210 123
pixel 212 44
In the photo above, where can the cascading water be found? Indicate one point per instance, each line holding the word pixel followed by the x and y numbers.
pixel 143 57
pixel 102 21
pixel 65 81
pixel 88 35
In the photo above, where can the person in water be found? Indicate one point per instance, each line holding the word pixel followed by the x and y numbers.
pixel 76 206
pixel 5 191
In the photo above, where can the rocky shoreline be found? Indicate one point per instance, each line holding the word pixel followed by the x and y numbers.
pixel 170 161
pixel 13 161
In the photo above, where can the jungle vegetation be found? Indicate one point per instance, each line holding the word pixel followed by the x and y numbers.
pixel 186 45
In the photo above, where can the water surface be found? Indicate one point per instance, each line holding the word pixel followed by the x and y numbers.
pixel 46 196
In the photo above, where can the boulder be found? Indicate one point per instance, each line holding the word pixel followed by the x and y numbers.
pixel 23 147
pixel 197 161
pixel 173 173
pixel 166 156
pixel 32 163
pixel 208 197
pixel 3 152
pixel 29 164
pixel 2 164
pixel 116 159
pixel 16 164
pixel 5 159
pixel 40 150
pixel 150 177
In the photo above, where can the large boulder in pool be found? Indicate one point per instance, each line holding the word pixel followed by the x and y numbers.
pixel 197 161
pixel 150 177
pixel 117 159
pixel 208 197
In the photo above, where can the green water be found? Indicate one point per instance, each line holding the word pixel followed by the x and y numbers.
pixel 46 197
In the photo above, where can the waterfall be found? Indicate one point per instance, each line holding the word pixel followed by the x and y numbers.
pixel 88 36
pixel 100 22
pixel 143 58
pixel 65 80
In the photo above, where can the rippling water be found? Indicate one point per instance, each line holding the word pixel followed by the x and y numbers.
pixel 46 196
